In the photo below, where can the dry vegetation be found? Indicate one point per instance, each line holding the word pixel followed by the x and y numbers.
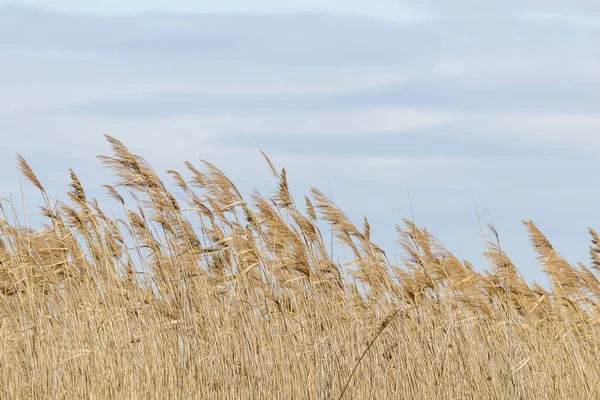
pixel 208 295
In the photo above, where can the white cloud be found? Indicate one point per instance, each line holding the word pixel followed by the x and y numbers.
pixel 343 122
pixel 396 10
pixel 578 131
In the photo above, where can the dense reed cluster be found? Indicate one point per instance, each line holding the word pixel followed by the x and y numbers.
pixel 191 291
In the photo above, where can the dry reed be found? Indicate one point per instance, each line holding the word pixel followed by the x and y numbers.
pixel 209 295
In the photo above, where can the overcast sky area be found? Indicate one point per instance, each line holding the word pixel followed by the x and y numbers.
pixel 465 103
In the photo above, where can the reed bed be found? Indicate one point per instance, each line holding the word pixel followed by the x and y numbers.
pixel 188 290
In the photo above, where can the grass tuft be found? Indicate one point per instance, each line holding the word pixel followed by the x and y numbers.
pixel 206 294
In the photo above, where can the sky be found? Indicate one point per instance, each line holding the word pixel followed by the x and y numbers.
pixel 399 109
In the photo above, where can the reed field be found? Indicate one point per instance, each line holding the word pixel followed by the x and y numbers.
pixel 187 290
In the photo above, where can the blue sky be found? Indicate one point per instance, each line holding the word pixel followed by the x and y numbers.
pixel 487 103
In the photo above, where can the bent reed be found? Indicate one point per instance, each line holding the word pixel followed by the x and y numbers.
pixel 205 294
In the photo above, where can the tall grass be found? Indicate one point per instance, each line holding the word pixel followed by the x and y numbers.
pixel 210 295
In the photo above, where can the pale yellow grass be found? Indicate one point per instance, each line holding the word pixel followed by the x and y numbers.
pixel 205 294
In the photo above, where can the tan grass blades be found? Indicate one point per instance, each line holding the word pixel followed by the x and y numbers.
pixel 205 294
